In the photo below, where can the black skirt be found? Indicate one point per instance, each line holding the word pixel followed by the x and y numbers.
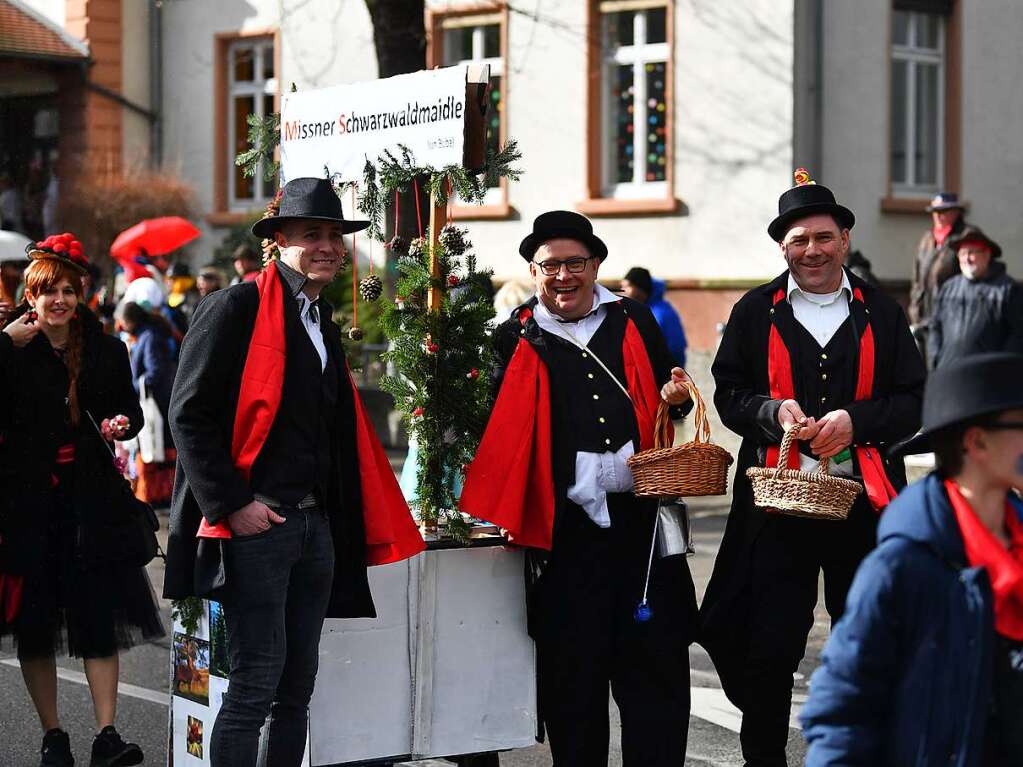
pixel 66 608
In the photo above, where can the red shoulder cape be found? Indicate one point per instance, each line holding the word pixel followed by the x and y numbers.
pixel 391 532
pixel 880 490
pixel 510 481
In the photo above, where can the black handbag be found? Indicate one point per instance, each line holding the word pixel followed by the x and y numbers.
pixel 130 538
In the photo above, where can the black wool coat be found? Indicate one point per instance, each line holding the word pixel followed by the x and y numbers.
pixel 976 316
pixel 506 339
pixel 202 413
pixel 743 401
pixel 35 421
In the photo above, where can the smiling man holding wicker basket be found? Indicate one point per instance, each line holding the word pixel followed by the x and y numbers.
pixel 821 355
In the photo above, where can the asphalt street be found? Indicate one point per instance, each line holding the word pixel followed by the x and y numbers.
pixel 142 714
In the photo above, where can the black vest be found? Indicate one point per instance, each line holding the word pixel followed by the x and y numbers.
pixel 296 458
pixel 590 412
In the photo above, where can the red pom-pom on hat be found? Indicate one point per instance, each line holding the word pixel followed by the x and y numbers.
pixel 60 247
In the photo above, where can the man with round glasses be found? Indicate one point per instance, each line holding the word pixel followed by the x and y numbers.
pixel 581 374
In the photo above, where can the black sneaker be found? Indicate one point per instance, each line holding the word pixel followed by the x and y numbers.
pixel 110 750
pixel 56 750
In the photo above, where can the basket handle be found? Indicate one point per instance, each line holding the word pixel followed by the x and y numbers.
pixel 783 451
pixel 662 436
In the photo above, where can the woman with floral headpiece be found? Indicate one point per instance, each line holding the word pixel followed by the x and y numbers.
pixel 66 390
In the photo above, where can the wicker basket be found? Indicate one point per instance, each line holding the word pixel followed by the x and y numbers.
pixel 811 494
pixel 695 468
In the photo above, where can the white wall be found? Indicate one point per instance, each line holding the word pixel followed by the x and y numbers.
pixel 733 136
pixel 856 86
pixel 993 123
pixel 135 82
pixel 733 120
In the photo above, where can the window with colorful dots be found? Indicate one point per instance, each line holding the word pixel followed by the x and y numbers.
pixel 635 58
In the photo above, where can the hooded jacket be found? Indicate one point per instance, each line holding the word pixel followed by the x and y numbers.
pixel 976 316
pixel 668 319
pixel 906 675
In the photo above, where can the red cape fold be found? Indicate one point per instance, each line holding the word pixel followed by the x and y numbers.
pixel 880 490
pixel 10 596
pixel 391 533
pixel 510 482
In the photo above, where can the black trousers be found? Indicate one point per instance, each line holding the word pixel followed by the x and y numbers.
pixel 786 561
pixel 588 640
pixel 278 586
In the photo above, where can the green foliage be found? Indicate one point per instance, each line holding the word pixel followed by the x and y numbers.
pixel 188 612
pixel 264 138
pixel 443 361
pixel 443 391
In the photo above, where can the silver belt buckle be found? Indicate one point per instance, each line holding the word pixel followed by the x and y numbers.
pixel 674 532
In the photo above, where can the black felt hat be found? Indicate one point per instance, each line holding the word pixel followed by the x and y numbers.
pixel 307 198
pixel 971 233
pixel 966 388
pixel 562 223
pixel 807 198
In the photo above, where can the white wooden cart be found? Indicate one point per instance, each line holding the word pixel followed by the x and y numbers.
pixel 446 668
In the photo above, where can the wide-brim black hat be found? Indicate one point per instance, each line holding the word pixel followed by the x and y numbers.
pixel 807 198
pixel 964 389
pixel 556 224
pixel 971 233
pixel 307 198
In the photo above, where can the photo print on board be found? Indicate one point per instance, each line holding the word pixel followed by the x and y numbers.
pixel 192 668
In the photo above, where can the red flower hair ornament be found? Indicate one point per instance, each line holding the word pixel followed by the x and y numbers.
pixel 61 247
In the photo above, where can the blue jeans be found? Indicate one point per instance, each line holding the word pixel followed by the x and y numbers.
pixel 278 587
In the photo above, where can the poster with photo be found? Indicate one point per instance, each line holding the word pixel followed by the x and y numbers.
pixel 191 668
pixel 194 737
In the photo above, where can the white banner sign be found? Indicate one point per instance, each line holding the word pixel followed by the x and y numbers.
pixel 341 127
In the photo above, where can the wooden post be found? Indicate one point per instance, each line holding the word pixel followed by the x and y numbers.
pixel 436 221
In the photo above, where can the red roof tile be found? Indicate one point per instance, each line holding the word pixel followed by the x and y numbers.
pixel 24 32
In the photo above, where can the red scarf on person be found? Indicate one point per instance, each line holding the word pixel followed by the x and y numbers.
pixel 880 490
pixel 391 533
pixel 941 233
pixel 1004 566
pixel 510 482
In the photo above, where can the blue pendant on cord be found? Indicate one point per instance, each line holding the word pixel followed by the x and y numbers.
pixel 642 613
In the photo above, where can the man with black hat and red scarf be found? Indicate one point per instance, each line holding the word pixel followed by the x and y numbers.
pixel 580 377
pixel 283 494
pixel 820 350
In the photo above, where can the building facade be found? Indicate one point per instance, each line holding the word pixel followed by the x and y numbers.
pixel 674 124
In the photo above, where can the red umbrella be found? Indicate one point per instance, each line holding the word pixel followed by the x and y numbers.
pixel 156 236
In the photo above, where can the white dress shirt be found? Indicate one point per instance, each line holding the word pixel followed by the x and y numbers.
pixel 822 314
pixel 596 474
pixel 309 312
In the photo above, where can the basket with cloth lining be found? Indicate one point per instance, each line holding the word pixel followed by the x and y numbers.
pixel 797 493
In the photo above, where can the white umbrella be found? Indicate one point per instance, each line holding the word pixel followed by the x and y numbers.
pixel 12 246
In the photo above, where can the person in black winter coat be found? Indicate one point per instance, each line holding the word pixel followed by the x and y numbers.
pixel 978 310
pixel 924 667
pixel 64 389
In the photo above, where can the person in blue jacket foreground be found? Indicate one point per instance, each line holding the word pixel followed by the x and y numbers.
pixel 926 665
pixel 640 286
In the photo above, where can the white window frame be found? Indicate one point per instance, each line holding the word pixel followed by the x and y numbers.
pixel 494 195
pixel 257 88
pixel 913 56
pixel 639 54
